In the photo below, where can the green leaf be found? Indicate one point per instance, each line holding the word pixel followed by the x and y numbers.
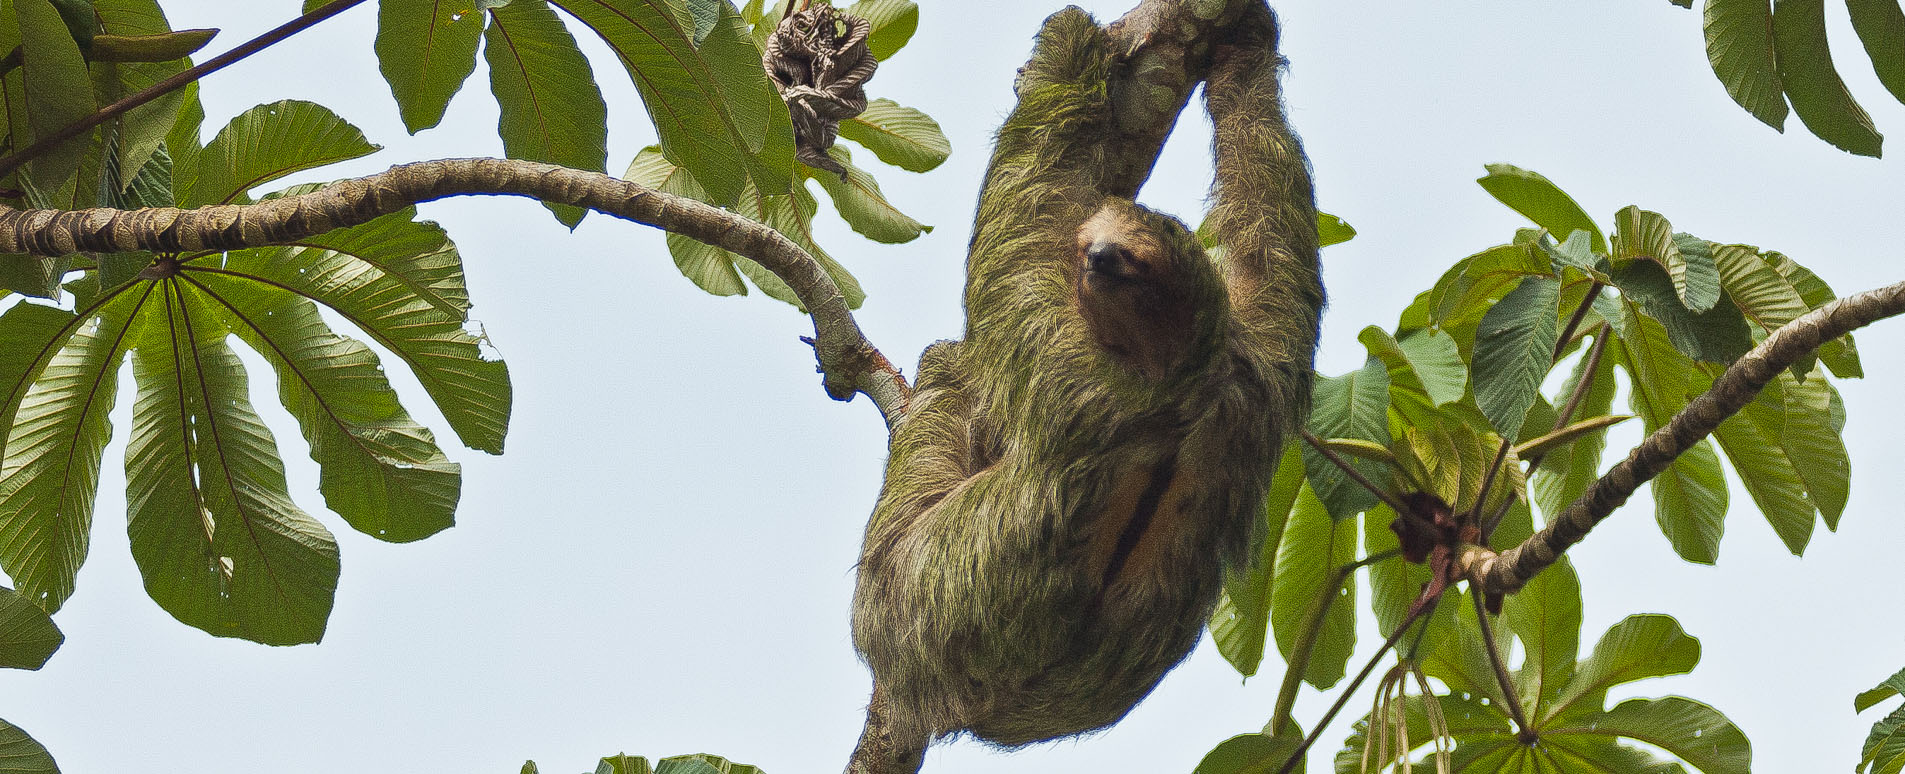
pixel 182 141
pixel 700 763
pixel 1812 440
pixel 1690 496
pixel 1764 295
pixel 1514 349
pixel 1637 648
pixel 379 469
pixel 1354 405
pixel 50 473
pixel 1566 472
pixel 1332 230
pixel 1313 546
pixel 1818 95
pixel 1739 37
pixel 264 144
pixel 1718 335
pixel 901 136
pixel 1754 441
pixel 712 105
pixel 1242 618
pixel 718 271
pixel 401 282
pixel 1840 355
pixel 33 333
pixel 1892 686
pixel 1576 251
pixel 1645 235
pixel 58 91
pixel 1394 584
pixel 1695 732
pixel 1252 754
pixel 425 49
pixel 1881 27
pixel 862 206
pixel 551 109
pixel 1541 201
pixel 32 275
pixel 1566 753
pixel 1690 504
pixel 1424 360
pixel 140 130
pixel 1460 657
pixel 1884 748
pixel 1467 290
pixel 214 532
pixel 1546 616
pixel 27 636
pixel 893 23
pixel 22 754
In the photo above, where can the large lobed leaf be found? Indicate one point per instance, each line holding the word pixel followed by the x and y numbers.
pixel 266 143
pixel 1514 348
pixel 1536 197
pixel 214 532
pixel 24 755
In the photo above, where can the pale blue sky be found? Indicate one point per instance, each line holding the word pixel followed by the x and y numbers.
pixel 662 562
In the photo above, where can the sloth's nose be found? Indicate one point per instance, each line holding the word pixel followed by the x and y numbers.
pixel 1110 260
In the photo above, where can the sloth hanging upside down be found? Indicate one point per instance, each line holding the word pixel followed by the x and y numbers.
pixel 1072 479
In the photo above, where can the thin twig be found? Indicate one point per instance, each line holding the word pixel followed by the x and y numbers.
pixel 13 161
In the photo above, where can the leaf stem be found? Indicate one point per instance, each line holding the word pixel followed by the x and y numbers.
pixel 1523 731
pixel 13 161
pixel 1309 739
pixel 1354 474
pixel 1306 646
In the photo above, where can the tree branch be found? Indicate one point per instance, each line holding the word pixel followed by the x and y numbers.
pixel 1166 46
pixel 850 364
pixel 13 161
pixel 1742 381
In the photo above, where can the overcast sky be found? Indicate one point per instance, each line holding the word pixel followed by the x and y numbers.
pixel 662 562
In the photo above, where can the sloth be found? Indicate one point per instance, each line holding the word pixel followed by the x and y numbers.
pixel 1071 481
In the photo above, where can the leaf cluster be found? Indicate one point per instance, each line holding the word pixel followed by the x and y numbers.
pixel 1495 393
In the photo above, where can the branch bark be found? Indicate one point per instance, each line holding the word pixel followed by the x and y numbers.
pixel 849 363
pixel 1742 381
